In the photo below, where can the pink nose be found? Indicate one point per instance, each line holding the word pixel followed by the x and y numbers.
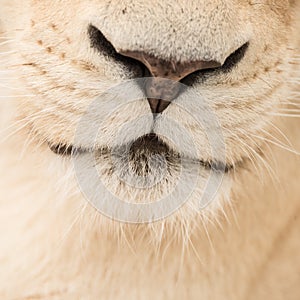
pixel 161 92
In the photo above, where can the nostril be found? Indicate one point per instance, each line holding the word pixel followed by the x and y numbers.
pixel 100 43
pixel 234 58
pixel 230 63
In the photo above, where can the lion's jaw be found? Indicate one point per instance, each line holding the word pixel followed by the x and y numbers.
pixel 54 245
pixel 66 75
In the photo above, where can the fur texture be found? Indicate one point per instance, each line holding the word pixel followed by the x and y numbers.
pixel 55 245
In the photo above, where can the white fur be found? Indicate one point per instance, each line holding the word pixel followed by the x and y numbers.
pixel 55 245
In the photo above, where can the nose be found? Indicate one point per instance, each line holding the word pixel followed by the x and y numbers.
pixel 160 93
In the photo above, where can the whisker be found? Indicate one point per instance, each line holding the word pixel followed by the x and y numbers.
pixel 280 145
pixel 284 115
pixel 256 157
pixel 281 133
pixel 14 97
pixel 293 110
pixel 6 42
pixel 21 124
pixel 8 52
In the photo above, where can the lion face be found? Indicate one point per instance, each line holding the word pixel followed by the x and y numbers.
pixel 229 55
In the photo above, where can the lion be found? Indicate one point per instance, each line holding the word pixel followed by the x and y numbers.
pixel 149 149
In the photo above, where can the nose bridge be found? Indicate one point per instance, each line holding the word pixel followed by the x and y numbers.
pixel 200 30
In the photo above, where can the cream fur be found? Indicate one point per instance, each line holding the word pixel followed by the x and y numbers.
pixel 244 245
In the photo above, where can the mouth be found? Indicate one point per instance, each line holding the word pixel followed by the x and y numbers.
pixel 141 151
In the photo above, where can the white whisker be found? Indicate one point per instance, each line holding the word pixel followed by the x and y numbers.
pixel 280 145
pixel 6 42
pixel 8 52
pixel 284 115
